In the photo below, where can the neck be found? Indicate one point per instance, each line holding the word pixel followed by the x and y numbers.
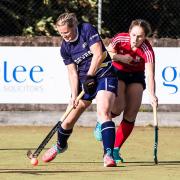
pixel 76 36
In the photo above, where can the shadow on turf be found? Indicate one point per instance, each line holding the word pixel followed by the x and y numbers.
pixel 151 163
pixel 32 171
pixel 130 163
pixel 114 169
pixel 17 149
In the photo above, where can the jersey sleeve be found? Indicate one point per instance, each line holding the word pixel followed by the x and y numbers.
pixel 65 56
pixel 149 56
pixel 91 33
pixel 115 41
pixel 119 40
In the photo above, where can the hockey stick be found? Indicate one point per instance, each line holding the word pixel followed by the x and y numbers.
pixel 31 155
pixel 155 134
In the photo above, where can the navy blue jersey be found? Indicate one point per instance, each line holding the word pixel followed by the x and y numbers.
pixel 78 52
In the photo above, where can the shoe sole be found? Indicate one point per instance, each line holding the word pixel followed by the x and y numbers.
pixel 49 160
pixel 109 165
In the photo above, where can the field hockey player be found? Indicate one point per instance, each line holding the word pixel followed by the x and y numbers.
pixel 90 69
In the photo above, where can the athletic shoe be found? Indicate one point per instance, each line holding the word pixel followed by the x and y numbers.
pixel 51 153
pixel 108 160
pixel 117 156
pixel 97 132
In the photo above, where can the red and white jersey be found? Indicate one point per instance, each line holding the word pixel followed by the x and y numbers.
pixel 143 54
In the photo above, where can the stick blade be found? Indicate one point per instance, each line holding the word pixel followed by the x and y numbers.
pixel 155 161
pixel 29 154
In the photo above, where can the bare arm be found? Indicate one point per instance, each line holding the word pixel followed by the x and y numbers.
pixel 97 52
pixel 118 57
pixel 150 73
pixel 112 52
pixel 73 81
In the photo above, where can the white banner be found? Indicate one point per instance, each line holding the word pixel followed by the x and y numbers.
pixel 167 76
pixel 32 75
pixel 38 75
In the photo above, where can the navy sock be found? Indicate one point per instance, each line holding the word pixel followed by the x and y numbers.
pixel 108 136
pixel 63 136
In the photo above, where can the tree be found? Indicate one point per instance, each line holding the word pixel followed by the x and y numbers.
pixel 37 17
pixel 32 17
pixel 163 15
pixel 10 17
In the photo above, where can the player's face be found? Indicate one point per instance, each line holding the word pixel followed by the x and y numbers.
pixel 67 33
pixel 137 36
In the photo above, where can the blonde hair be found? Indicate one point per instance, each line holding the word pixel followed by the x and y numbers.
pixel 143 24
pixel 68 19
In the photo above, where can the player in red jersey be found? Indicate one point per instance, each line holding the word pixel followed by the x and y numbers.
pixel 132 56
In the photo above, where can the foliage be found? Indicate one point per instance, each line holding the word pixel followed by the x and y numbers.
pixel 32 17
pixel 44 26
pixel 10 17
pixel 38 17
pixel 163 15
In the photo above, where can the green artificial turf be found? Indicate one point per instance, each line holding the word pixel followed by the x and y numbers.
pixel 83 159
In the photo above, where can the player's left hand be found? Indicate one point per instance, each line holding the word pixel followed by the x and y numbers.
pixel 74 102
pixel 89 84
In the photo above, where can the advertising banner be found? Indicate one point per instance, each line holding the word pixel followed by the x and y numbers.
pixel 38 75
pixel 167 76
pixel 33 75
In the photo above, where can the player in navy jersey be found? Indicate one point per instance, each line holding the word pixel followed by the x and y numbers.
pixel 132 54
pixel 83 52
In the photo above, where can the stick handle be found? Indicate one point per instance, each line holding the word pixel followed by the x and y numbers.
pixel 155 134
pixel 155 116
pixel 69 109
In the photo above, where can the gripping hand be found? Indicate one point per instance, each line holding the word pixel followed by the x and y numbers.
pixel 89 84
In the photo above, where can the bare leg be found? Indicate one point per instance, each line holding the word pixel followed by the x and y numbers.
pixel 105 101
pixel 134 93
pixel 75 114
pixel 120 100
